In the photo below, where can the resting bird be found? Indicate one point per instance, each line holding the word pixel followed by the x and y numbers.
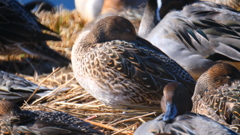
pixel 196 37
pixel 18 89
pixel 217 94
pixel 21 122
pixel 121 69
pixel 20 32
pixel 177 120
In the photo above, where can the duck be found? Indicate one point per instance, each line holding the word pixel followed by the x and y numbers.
pixel 196 36
pixel 26 36
pixel 121 69
pixel 17 89
pixel 177 119
pixel 16 121
pixel 216 94
pixel 89 10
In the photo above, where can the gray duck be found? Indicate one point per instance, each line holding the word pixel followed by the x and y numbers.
pixel 194 34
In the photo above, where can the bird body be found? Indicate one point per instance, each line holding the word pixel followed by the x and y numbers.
pixel 121 69
pixel 216 94
pixel 196 37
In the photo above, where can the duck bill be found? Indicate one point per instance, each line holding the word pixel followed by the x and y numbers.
pixel 171 112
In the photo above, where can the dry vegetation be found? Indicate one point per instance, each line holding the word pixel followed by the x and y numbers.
pixel 67 95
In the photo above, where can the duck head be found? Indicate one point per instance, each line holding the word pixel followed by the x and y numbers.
pixel 216 76
pixel 220 74
pixel 175 101
pixel 112 28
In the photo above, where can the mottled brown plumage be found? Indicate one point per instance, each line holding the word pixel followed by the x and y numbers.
pixel 123 70
pixel 217 94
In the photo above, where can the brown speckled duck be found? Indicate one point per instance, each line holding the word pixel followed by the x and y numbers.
pixel 177 119
pixel 20 32
pixel 217 94
pixel 21 122
pixel 121 69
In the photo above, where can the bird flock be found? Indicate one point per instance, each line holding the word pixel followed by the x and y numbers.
pixel 182 62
